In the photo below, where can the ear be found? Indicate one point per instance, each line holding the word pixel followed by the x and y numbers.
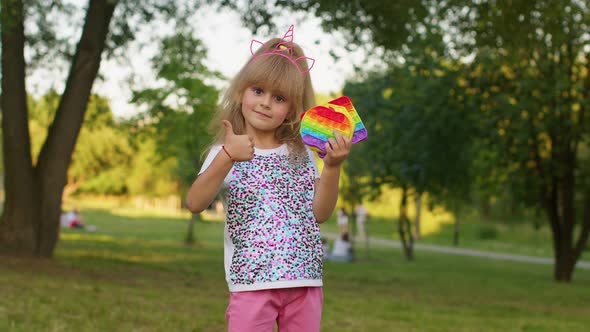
pixel 302 59
pixel 255 43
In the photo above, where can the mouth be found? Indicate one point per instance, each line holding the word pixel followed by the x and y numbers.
pixel 262 114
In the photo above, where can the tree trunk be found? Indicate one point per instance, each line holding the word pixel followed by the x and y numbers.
pixel 405 227
pixel 33 195
pixel 562 251
pixel 418 202
pixel 17 226
pixel 190 234
pixel 558 201
pixel 456 228
pixel 486 208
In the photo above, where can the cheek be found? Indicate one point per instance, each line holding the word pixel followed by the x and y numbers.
pixel 284 113
pixel 245 101
pixel 247 104
pixel 286 109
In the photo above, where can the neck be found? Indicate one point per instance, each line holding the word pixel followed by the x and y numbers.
pixel 265 140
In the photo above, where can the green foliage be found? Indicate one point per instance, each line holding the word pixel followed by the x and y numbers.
pixel 151 175
pixel 101 161
pixel 98 113
pixel 179 110
pixel 420 131
pixel 154 152
pixel 374 22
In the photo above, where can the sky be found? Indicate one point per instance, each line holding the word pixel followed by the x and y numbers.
pixel 228 44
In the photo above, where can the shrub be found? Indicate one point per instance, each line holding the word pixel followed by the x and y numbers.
pixel 487 232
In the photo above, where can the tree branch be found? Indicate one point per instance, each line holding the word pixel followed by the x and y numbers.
pixel 61 138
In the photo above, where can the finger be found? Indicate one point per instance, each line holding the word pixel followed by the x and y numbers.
pixel 328 148
pixel 333 143
pixel 229 129
pixel 339 138
pixel 347 142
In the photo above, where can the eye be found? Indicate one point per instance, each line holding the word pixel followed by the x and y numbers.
pixel 257 90
pixel 280 99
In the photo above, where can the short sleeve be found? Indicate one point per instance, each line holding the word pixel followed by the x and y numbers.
pixel 313 162
pixel 210 156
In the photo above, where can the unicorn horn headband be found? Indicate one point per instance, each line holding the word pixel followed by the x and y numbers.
pixel 285 49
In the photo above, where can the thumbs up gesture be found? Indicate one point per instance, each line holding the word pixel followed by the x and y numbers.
pixel 239 147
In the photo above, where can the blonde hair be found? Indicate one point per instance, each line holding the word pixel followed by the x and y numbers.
pixel 274 72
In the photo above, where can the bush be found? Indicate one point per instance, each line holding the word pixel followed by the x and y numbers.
pixel 487 233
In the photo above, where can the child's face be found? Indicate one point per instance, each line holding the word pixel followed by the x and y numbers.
pixel 264 109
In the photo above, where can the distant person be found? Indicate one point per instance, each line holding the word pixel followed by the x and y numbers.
pixel 73 219
pixel 274 193
pixel 342 219
pixel 342 250
pixel 64 219
pixel 361 214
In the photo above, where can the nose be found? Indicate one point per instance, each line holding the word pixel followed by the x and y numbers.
pixel 265 100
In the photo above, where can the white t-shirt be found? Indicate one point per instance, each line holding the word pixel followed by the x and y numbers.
pixel 272 239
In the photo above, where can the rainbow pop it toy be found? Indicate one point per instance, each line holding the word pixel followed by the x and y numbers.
pixel 319 123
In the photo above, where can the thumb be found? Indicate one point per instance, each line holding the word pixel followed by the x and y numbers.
pixel 229 129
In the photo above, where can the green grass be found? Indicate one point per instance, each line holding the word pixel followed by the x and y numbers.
pixel 135 274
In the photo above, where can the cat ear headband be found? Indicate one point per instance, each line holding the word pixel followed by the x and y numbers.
pixel 285 49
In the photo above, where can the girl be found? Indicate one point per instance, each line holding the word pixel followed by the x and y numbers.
pixel 273 194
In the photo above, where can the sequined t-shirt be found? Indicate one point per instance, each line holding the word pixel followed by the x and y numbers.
pixel 272 239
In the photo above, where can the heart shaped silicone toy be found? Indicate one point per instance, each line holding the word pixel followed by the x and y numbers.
pixel 319 123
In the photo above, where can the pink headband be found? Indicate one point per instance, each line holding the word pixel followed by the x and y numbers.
pixel 285 49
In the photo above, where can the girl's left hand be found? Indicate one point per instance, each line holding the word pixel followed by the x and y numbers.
pixel 336 150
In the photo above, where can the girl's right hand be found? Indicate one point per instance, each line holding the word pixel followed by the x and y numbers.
pixel 240 147
pixel 337 149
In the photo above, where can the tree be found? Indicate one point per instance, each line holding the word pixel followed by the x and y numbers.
pixel 421 131
pixel 30 219
pixel 178 111
pixel 531 75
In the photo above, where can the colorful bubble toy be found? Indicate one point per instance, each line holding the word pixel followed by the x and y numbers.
pixel 319 123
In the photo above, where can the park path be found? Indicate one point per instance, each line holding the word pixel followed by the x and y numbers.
pixel 465 252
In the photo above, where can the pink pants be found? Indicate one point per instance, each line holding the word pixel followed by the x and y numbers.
pixel 294 310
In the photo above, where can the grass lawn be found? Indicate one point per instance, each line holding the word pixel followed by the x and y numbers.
pixel 135 274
